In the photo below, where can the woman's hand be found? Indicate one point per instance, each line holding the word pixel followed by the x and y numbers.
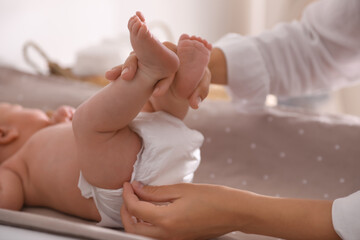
pixel 186 211
pixel 127 72
pixel 197 211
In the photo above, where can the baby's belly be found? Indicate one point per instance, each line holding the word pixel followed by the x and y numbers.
pixel 53 173
pixel 57 189
pixel 54 185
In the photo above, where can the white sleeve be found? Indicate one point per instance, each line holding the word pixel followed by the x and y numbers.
pixel 319 53
pixel 346 216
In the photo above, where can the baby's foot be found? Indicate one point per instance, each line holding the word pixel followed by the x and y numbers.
pixel 154 59
pixel 194 55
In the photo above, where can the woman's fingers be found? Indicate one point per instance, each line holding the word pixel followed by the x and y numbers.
pixel 201 91
pixel 162 86
pixel 171 46
pixel 126 71
pixel 142 210
pixel 131 225
pixel 130 67
pixel 114 73
pixel 146 218
pixel 165 193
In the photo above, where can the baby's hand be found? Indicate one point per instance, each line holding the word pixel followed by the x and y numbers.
pixel 63 114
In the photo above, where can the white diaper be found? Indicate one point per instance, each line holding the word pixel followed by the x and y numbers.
pixel 170 154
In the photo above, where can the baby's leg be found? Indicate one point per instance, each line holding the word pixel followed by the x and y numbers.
pixel 154 59
pixel 107 147
pixel 194 55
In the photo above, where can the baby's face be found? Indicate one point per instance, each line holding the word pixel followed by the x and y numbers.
pixel 26 121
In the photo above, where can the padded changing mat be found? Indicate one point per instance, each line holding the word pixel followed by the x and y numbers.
pixel 54 225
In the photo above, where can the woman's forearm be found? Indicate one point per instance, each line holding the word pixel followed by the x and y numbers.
pixel 287 218
pixel 217 67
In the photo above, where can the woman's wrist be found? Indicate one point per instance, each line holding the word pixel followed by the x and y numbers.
pixel 240 209
pixel 217 66
pixel 283 217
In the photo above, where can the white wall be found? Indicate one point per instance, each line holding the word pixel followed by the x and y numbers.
pixel 63 27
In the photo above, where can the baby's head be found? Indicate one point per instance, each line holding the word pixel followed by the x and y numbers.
pixel 17 125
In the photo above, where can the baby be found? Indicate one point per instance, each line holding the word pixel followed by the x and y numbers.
pixel 79 167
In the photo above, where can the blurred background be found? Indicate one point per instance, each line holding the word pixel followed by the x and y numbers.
pixel 77 34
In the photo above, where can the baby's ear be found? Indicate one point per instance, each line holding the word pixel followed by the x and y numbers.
pixel 8 134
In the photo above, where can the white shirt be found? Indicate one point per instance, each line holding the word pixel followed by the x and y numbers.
pixel 319 53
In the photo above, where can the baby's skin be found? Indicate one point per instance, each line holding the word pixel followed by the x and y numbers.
pixel 44 171
pixel 193 53
pixel 47 155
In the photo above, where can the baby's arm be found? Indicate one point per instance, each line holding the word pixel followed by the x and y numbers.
pixel 11 191
pixel 62 114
